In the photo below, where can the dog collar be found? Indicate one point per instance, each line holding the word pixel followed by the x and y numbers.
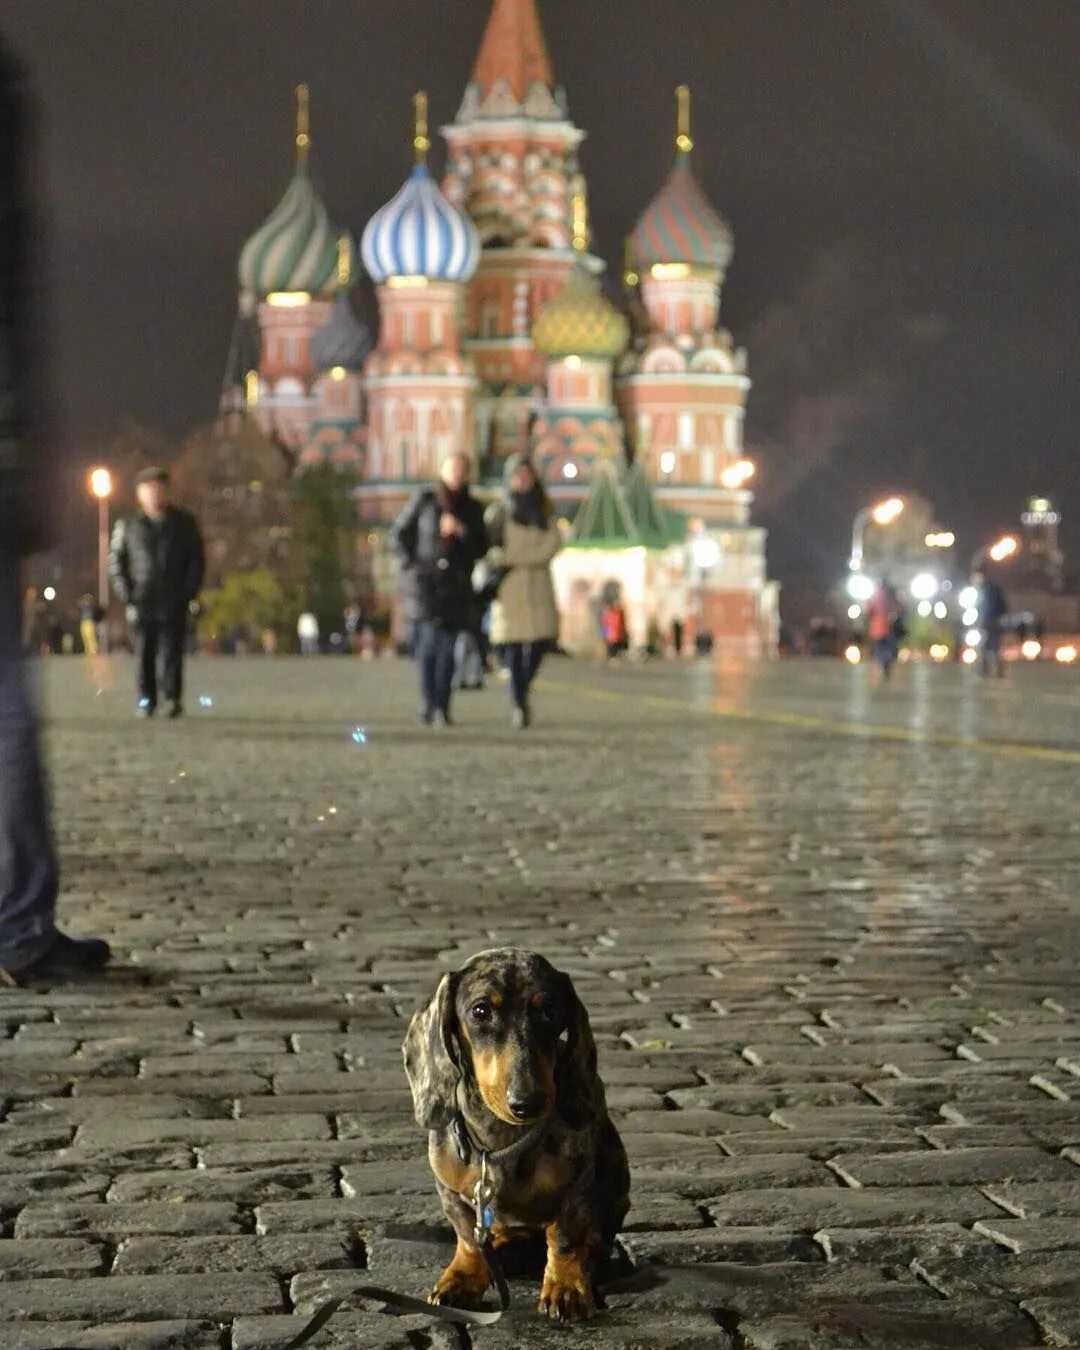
pixel 468 1148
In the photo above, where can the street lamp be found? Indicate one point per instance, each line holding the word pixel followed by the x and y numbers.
pixel 739 474
pixel 101 486
pixel 883 513
pixel 998 551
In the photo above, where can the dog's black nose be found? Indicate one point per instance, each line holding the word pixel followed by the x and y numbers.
pixel 526 1107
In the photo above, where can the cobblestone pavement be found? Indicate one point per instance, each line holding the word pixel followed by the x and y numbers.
pixel 828 936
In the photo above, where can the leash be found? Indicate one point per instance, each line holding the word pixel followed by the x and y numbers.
pixel 483 1193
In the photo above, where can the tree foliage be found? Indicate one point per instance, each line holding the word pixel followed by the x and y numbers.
pixel 243 605
pixel 323 530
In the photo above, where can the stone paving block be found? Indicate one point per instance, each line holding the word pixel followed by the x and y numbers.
pixel 148 1335
pixel 29 1259
pixel 349 1329
pixel 755 1246
pixel 117 1220
pixel 897 1244
pixel 122 1134
pixel 1029 1200
pixel 140 1298
pixel 1001 1274
pixel 1032 1235
pixel 280 1254
pixel 23 1188
pixel 241 1188
pixel 929 1167
pixel 1058 1319
pixel 815 1207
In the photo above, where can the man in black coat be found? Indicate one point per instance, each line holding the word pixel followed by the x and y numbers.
pixel 156 565
pixel 439 538
pixel 31 947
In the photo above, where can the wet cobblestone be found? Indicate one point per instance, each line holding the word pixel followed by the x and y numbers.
pixel 827 934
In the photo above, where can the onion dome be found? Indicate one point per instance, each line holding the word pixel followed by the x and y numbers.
pixel 580 321
pixel 342 341
pixel 295 249
pixel 419 233
pixel 680 224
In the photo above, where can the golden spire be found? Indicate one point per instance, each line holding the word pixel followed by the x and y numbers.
pixel 580 222
pixel 344 261
pixel 683 141
pixel 303 136
pixel 421 144
pixel 630 276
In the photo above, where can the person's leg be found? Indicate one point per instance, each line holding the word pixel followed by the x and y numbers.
pixel 146 650
pixel 424 639
pixel 515 664
pixel 443 669
pixel 173 634
pixel 28 874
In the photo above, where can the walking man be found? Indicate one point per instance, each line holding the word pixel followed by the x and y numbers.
pixel 31 947
pixel 156 565
pixel 439 538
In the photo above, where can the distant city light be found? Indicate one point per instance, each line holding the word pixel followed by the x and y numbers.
pixel 886 512
pixel 941 609
pixel 706 552
pixel 969 596
pixel 925 586
pixel 101 484
pixel 288 299
pixel 1066 655
pixel 860 586
pixel 738 474
pixel 972 637
pixel 970 616
pixel 854 611
pixel 1030 649
pixel 970 656
pixel 1004 548
pixel 941 539
pixel 924 609
pixel 569 471
pixel 49 592
pixel 337 372
pixel 939 652
pixel 667 461
pixel 573 363
pixel 852 655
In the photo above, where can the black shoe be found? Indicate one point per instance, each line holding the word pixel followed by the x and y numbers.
pixel 521 718
pixel 176 709
pixel 425 717
pixel 66 957
pixel 144 708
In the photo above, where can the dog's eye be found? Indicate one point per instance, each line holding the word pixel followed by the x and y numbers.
pixel 547 1014
pixel 480 1012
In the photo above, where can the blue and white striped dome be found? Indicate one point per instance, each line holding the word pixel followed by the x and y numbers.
pixel 419 234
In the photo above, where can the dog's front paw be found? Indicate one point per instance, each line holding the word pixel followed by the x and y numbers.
pixel 461 1285
pixel 566 1295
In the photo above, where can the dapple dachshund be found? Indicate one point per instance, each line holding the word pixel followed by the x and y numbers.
pixel 502 1067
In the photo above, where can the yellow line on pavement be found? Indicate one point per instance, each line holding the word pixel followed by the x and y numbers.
pixel 811 722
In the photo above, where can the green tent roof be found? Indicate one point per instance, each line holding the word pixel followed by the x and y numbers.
pixel 621 512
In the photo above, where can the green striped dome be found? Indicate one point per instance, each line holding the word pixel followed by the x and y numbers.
pixel 681 225
pixel 579 321
pixel 295 249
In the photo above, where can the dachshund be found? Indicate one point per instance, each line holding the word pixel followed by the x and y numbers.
pixel 502 1067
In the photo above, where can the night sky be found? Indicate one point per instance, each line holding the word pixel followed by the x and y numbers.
pixel 902 180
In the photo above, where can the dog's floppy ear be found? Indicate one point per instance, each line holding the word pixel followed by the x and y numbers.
pixel 431 1057
pixel 577 1084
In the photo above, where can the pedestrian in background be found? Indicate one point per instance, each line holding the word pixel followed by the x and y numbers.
pixel 156 565
pixel 992 607
pixel 884 626
pixel 524 620
pixel 90 615
pixel 439 538
pixel 31 946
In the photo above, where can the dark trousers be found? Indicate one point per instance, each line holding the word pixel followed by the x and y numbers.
pixel 523 661
pixel 28 878
pixel 435 657
pixel 159 646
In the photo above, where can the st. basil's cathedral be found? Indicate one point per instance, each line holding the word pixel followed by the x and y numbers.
pixel 495 337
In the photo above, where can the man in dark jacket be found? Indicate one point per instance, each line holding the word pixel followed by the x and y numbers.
pixel 31 947
pixel 439 538
pixel 156 566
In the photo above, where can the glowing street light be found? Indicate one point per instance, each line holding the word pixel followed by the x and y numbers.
pixel 101 487
pixel 739 474
pixel 881 513
pixel 1005 547
pixel 940 539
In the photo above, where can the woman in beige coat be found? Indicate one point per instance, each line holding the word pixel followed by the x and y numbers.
pixel 525 538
